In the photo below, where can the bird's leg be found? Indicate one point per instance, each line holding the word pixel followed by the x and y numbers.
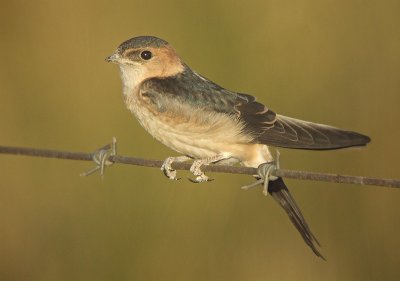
pixel 167 168
pixel 195 168
pixel 264 174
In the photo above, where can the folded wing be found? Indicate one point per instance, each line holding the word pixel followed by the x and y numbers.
pixel 281 131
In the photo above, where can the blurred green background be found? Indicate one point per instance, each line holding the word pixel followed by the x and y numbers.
pixel 335 62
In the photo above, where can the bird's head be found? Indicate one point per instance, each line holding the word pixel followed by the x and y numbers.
pixel 146 57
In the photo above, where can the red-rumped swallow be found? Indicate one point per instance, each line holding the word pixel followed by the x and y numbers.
pixel 205 122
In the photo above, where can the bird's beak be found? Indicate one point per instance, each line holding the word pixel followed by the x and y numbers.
pixel 113 58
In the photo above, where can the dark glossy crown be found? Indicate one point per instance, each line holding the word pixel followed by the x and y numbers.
pixel 142 42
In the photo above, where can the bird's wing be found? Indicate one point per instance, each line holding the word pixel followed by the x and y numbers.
pixel 263 124
pixel 281 131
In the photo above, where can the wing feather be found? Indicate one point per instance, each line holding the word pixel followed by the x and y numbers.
pixel 278 130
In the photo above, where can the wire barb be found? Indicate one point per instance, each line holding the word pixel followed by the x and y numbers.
pixel 101 157
pixel 265 173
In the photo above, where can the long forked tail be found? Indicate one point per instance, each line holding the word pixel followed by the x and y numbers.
pixel 281 194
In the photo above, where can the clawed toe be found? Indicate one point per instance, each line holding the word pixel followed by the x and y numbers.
pixel 170 173
pixel 195 170
pixel 200 178
pixel 167 169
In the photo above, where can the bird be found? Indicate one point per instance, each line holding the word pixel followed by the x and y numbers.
pixel 210 124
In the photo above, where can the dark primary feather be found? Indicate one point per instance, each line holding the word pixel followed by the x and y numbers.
pixel 266 126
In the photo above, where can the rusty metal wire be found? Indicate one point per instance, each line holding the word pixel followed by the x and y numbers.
pixel 114 158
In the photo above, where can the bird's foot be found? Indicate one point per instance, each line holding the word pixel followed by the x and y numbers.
pixel 167 169
pixel 101 157
pixel 264 174
pixel 195 168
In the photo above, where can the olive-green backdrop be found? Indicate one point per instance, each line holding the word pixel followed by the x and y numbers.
pixel 335 62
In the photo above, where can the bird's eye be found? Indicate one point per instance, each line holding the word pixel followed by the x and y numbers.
pixel 146 55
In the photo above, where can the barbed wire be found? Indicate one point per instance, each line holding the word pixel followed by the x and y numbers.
pixel 110 156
